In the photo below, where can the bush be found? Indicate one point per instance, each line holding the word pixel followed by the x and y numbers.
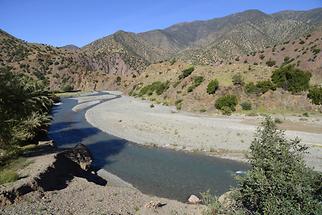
pixel 260 87
pixel 291 79
pixel 196 82
pixel 315 94
pixel 279 182
pixel 246 105
pixel 118 80
pixel 226 102
pixel 186 72
pixel 270 62
pixel 158 87
pixel 212 86
pixel 238 79
pixel 178 104
pixel 67 88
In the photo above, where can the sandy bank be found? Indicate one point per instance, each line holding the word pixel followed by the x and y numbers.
pixel 163 126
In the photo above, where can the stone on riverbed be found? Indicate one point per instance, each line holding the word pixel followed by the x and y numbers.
pixel 194 199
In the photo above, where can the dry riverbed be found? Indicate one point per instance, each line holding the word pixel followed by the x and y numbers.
pixel 162 126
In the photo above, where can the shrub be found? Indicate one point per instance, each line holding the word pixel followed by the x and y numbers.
pixel 238 79
pixel 118 80
pixel 315 94
pixel 67 88
pixel 260 87
pixel 225 102
pixel 291 79
pixel 261 56
pixel 196 82
pixel 270 62
pixel 212 86
pixel 279 182
pixel 185 73
pixel 246 105
pixel 316 51
pixel 158 87
pixel 178 104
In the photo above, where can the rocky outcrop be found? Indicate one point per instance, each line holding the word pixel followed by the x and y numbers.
pixel 61 168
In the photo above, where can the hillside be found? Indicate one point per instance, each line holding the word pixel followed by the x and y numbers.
pixel 211 41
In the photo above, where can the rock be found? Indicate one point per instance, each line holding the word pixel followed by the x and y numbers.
pixel 80 155
pixel 155 205
pixel 194 199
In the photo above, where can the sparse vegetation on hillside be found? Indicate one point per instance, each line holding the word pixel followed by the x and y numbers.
pixel 196 82
pixel 260 87
pixel 158 87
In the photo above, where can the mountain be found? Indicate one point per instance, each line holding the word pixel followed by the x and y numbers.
pixel 211 41
pixel 244 36
pixel 70 47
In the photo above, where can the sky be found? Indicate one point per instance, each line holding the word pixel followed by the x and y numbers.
pixel 79 22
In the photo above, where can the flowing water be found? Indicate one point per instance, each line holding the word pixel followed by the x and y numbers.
pixel 161 172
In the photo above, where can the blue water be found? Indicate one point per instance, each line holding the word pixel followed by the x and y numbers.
pixel 161 172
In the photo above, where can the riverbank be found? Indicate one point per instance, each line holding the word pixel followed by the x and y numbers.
pixel 71 193
pixel 162 126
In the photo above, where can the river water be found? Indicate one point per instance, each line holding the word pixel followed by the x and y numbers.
pixel 156 171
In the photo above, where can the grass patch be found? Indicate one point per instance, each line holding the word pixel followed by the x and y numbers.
pixel 8 172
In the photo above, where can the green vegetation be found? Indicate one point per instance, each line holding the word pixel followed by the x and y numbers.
pixel 158 87
pixel 212 86
pixel 196 82
pixel 238 79
pixel 186 72
pixel 226 103
pixel 270 62
pixel 246 105
pixel 315 94
pixel 67 88
pixel 24 106
pixel 260 87
pixel 8 171
pixel 291 79
pixel 178 104
pixel 118 80
pixel 279 182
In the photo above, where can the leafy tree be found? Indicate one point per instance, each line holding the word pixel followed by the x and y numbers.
pixel 226 103
pixel 186 72
pixel 291 79
pixel 279 182
pixel 24 106
pixel 212 86
pixel 315 94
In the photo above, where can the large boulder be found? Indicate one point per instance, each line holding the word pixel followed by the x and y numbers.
pixel 80 155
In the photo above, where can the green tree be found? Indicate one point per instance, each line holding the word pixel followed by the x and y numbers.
pixel 226 103
pixel 212 86
pixel 279 182
pixel 24 106
pixel 291 79
pixel 315 94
